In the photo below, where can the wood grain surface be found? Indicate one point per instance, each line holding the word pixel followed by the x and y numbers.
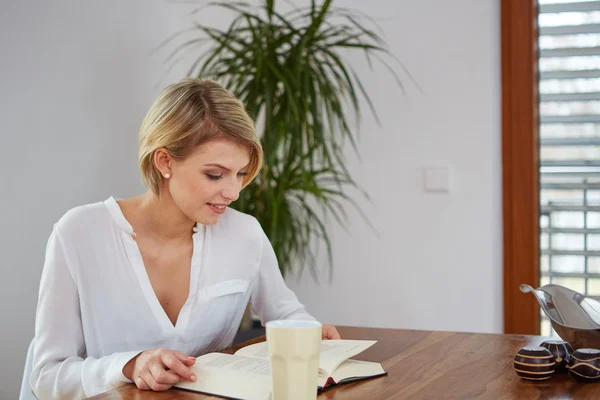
pixel 427 365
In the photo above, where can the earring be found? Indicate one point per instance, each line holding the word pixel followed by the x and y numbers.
pixel 167 176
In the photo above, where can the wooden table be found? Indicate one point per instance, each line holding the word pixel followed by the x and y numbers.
pixel 427 365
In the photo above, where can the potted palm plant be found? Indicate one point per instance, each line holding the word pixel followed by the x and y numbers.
pixel 289 71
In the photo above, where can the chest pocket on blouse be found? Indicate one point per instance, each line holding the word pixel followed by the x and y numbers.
pixel 226 288
pixel 220 311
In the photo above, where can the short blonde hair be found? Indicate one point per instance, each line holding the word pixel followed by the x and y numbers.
pixel 189 113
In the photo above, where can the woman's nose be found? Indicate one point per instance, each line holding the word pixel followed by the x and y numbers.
pixel 232 191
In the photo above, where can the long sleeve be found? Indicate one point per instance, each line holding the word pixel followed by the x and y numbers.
pixel 271 298
pixel 61 369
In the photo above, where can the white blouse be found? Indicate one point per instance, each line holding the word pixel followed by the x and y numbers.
pixel 97 309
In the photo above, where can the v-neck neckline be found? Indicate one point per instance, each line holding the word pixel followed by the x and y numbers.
pixel 135 258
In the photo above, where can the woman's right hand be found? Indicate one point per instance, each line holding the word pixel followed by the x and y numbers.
pixel 159 369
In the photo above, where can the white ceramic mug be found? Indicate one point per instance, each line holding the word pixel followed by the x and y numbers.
pixel 294 351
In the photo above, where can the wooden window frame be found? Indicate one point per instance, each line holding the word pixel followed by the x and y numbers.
pixel 520 163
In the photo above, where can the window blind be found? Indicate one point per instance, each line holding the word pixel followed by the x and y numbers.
pixel 569 95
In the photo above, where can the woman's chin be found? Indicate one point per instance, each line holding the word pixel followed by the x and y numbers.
pixel 208 219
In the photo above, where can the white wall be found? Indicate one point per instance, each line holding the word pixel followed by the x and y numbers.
pixel 77 77
pixel 437 263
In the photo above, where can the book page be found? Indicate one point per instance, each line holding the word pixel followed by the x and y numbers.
pixel 351 370
pixel 231 376
pixel 236 363
pixel 356 369
pixel 256 350
pixel 333 352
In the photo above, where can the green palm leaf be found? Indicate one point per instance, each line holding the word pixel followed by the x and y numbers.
pixel 289 71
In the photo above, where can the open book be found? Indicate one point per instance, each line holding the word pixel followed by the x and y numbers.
pixel 247 373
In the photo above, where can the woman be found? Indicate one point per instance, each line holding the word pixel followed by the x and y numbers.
pixel 132 289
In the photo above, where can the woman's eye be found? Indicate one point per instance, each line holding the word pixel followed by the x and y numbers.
pixel 214 177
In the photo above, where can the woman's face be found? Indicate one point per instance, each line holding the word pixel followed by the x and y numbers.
pixel 204 183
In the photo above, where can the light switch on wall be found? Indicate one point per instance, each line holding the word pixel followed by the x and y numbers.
pixel 438 179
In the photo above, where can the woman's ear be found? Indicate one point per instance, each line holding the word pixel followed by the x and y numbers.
pixel 163 161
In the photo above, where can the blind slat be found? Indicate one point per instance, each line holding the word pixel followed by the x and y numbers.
pixel 569 29
pixel 575 275
pixel 570 174
pixel 570 52
pixel 586 141
pixel 575 74
pixel 570 163
pixel 569 119
pixel 570 230
pixel 569 7
pixel 569 186
pixel 571 253
pixel 545 209
pixel 589 96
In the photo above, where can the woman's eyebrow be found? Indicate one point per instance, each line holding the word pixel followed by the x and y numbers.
pixel 218 166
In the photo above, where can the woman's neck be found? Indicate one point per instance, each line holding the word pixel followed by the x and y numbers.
pixel 160 217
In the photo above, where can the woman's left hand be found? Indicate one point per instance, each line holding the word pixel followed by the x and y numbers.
pixel 329 332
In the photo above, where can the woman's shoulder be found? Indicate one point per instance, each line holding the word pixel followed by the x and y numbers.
pixel 83 217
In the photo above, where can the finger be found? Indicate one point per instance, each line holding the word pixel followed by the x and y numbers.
pixel 190 361
pixel 330 332
pixel 152 384
pixel 163 376
pixel 172 362
pixel 334 334
pixel 141 383
pixel 183 357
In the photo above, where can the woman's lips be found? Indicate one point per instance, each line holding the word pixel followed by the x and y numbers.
pixel 217 208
